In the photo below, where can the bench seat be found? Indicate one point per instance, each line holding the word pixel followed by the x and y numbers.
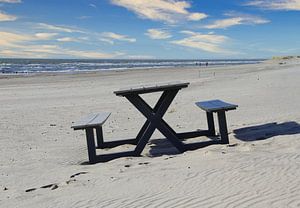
pixel 91 121
pixel 219 107
pixel 215 105
pixel 93 124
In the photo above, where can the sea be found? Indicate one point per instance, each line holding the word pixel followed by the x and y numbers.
pixel 27 66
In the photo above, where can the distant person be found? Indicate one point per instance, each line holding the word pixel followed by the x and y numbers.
pixel 206 64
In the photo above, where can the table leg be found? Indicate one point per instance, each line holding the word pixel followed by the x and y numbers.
pixel 144 139
pixel 91 144
pixel 99 133
pixel 156 107
pixel 210 123
pixel 223 127
pixel 154 119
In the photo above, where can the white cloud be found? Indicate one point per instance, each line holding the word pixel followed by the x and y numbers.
pixel 139 57
pixel 45 36
pixel 196 16
pixel 10 1
pixel 170 11
pixel 54 51
pixel 6 17
pixel 106 40
pixel 58 28
pixel 276 4
pixel 93 5
pixel 110 37
pixel 158 34
pixel 205 42
pixel 12 39
pixel 24 46
pixel 67 39
pixel 237 19
pixel 84 17
pixel 89 54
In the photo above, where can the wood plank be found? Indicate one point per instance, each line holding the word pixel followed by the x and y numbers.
pixel 112 144
pixel 141 89
pixel 215 105
pixel 92 120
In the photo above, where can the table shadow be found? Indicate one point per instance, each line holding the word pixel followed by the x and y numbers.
pixel 162 146
pixel 159 147
pixel 266 131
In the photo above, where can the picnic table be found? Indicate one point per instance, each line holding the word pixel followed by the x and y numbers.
pixel 154 120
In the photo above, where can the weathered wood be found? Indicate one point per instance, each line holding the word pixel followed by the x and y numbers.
pixel 192 134
pixel 155 120
pixel 151 88
pixel 99 136
pixel 91 144
pixel 215 105
pixel 112 144
pixel 223 127
pixel 92 120
pixel 210 124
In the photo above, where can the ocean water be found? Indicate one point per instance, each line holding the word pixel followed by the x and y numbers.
pixel 8 66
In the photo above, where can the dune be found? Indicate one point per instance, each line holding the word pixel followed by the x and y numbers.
pixel 43 161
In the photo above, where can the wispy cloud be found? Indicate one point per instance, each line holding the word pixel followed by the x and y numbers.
pixel 237 19
pixel 58 28
pixel 7 17
pixel 25 46
pixel 205 42
pixel 84 17
pixel 12 39
pixel 110 37
pixel 17 40
pixel 140 57
pixel 158 34
pixel 54 51
pixel 45 36
pixel 68 39
pixel 10 1
pixel 276 4
pixel 93 5
pixel 169 11
pixel 106 40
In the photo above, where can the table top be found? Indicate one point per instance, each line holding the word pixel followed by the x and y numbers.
pixel 149 88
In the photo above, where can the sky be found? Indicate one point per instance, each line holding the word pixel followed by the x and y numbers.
pixel 149 29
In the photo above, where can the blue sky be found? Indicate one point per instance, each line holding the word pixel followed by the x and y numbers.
pixel 164 29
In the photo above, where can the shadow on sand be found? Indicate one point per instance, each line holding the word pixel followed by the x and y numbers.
pixel 266 131
pixel 159 147
pixel 163 146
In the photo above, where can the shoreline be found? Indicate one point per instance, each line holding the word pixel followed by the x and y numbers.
pixel 149 66
pixel 281 60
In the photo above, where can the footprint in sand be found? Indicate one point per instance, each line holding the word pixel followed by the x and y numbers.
pixel 143 163
pixel 77 174
pixel 52 186
pixel 31 189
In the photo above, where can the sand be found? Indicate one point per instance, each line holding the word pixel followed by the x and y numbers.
pixel 42 160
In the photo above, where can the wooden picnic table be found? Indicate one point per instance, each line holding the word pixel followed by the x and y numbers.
pixel 154 120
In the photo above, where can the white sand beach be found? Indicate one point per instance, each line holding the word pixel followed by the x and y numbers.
pixel 40 152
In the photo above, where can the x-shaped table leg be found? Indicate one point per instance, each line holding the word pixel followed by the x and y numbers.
pixel 155 120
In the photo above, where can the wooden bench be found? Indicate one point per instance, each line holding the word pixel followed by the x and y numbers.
pixel 219 107
pixel 89 123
